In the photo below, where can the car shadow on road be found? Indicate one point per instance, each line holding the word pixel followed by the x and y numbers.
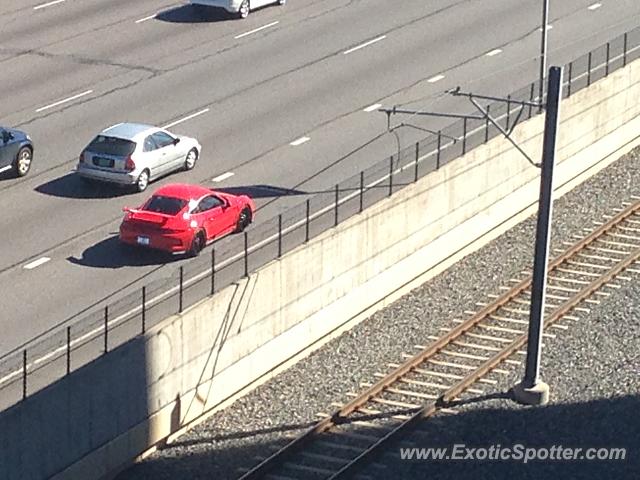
pixel 72 186
pixel 193 14
pixel 110 253
pixel 261 191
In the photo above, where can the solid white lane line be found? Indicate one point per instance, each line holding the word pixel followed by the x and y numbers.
pixel 48 4
pixel 494 52
pixel 594 6
pixel 373 107
pixel 299 141
pixel 146 18
pixel 365 44
pixel 4 169
pixel 36 263
pixel 64 101
pixel 222 177
pixel 435 79
pixel 256 29
pixel 188 117
pixel 549 27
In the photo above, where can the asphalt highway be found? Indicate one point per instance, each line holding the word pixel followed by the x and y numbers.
pixel 274 100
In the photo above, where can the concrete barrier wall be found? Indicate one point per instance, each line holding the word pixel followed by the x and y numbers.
pixel 93 421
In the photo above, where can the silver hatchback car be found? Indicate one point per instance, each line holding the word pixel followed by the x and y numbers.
pixel 135 154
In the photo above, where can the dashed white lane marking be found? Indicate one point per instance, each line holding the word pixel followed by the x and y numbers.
pixel 435 79
pixel 222 177
pixel 299 141
pixel 494 52
pixel 365 44
pixel 48 4
pixel 55 104
pixel 594 6
pixel 373 107
pixel 256 29
pixel 188 117
pixel 146 18
pixel 36 263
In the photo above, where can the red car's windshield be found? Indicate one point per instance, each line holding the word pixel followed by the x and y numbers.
pixel 166 205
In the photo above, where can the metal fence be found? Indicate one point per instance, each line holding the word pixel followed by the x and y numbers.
pixel 69 346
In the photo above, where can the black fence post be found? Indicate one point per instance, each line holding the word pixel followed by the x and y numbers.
pixel 24 374
pixel 439 146
pixel 570 78
pixel 624 51
pixel 508 111
pixel 68 349
pixel 144 308
pixel 181 287
pixel 361 191
pixel 464 135
pixel 106 328
pixel 533 86
pixel 390 175
pixel 415 172
pixel 606 65
pixel 486 124
pixel 213 271
pixel 246 254
pixel 589 69
pixel 306 226
pixel 279 235
pixel 335 206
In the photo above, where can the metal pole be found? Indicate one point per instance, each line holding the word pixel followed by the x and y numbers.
pixel 438 154
pixel 543 50
pixel 181 285
pixel 106 328
pixel 606 70
pixel 213 271
pixel 144 309
pixel 415 173
pixel 306 225
pixel 390 175
pixel 68 349
pixel 361 191
pixel 246 254
pixel 464 135
pixel 24 374
pixel 335 205
pixel 570 78
pixel 508 112
pixel 279 235
pixel 589 69
pixel 486 125
pixel 532 390
pixel 533 86
pixel 624 51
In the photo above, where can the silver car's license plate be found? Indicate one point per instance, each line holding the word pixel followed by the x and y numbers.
pixel 143 240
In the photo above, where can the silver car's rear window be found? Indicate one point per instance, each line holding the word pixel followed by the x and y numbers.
pixel 112 146
pixel 166 205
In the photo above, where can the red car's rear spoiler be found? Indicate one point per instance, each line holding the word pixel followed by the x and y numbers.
pixel 148 217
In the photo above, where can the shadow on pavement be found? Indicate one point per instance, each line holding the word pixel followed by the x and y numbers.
pixel 261 191
pixel 193 14
pixel 109 253
pixel 72 186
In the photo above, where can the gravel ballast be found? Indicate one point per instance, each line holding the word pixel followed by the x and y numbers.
pixel 593 370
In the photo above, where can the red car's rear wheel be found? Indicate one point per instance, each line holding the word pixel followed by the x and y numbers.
pixel 197 244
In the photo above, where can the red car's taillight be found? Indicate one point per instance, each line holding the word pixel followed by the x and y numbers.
pixel 129 164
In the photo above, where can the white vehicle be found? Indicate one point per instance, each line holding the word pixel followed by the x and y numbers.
pixel 238 7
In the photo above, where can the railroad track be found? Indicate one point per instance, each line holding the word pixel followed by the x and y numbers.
pixel 463 363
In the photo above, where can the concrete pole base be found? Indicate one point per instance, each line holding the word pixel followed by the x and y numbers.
pixel 537 395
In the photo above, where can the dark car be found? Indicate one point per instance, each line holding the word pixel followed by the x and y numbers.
pixel 16 151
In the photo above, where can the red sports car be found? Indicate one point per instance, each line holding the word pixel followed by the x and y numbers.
pixel 181 218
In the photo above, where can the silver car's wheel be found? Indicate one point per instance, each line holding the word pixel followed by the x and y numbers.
pixel 23 161
pixel 192 158
pixel 143 181
pixel 244 9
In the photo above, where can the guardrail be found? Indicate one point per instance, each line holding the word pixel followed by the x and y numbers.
pixel 69 345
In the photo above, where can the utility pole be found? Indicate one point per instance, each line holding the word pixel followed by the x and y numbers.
pixel 531 390
pixel 543 50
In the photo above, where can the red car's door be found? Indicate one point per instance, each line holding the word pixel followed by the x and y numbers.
pixel 210 215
